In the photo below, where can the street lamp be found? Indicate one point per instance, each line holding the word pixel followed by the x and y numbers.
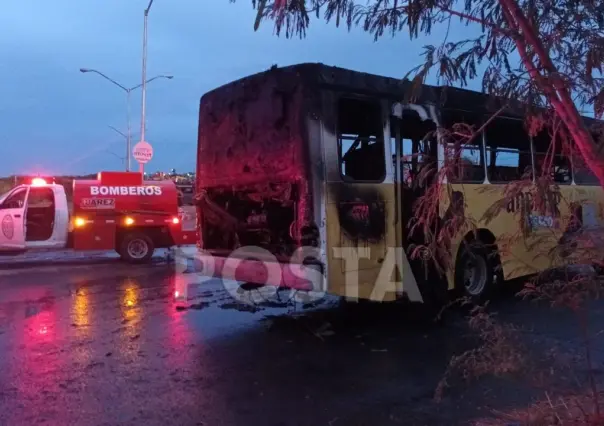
pixel 144 82
pixel 128 91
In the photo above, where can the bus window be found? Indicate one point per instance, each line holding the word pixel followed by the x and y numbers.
pixel 407 169
pixel 555 164
pixel 419 148
pixel 467 167
pixel 582 174
pixel 468 163
pixel 361 140
pixel 508 151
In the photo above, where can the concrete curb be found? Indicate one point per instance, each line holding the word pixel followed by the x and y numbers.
pixel 24 264
pixel 53 257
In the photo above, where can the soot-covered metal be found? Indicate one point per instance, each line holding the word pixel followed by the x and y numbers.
pixel 251 131
pixel 362 213
pixel 232 219
pixel 252 164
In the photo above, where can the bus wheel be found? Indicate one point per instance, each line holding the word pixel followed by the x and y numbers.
pixel 136 247
pixel 475 275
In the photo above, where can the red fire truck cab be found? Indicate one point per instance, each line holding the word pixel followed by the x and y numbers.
pixel 117 211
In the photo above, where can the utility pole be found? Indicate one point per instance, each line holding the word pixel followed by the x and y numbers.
pixel 144 84
pixel 128 91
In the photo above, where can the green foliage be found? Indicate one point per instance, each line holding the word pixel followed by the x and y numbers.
pixel 571 31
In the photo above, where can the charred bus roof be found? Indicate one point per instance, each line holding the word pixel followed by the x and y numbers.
pixel 254 129
pixel 319 76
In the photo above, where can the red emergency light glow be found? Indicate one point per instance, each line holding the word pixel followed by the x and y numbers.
pixel 38 182
pixel 175 220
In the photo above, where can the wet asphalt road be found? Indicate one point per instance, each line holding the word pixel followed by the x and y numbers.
pixel 105 345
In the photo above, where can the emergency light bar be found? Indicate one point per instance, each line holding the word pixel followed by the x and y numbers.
pixel 38 182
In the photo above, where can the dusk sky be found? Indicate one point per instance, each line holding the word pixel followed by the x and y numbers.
pixel 54 119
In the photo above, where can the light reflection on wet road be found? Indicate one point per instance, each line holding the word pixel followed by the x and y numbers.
pixel 87 345
pixel 78 345
pixel 105 345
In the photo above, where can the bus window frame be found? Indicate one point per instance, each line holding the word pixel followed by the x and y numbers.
pixel 379 103
pixel 483 143
pixel 480 143
pixel 570 161
pixel 573 169
pixel 486 144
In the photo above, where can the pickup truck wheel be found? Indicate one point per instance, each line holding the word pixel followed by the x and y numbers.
pixel 136 248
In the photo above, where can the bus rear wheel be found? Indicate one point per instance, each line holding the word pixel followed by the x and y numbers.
pixel 136 247
pixel 475 273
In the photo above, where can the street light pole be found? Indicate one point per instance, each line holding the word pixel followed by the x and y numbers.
pixel 128 92
pixel 128 132
pixel 144 83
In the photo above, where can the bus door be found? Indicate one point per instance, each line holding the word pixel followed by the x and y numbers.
pixel 414 147
pixel 361 204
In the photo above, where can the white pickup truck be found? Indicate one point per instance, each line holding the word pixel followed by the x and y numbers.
pixel 34 216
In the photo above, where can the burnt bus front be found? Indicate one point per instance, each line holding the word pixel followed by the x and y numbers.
pixel 253 184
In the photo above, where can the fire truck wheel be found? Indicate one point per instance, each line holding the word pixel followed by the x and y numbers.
pixel 136 248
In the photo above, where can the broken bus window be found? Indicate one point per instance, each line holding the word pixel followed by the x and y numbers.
pixel 361 140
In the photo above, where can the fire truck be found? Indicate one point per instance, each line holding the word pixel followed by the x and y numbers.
pixel 117 211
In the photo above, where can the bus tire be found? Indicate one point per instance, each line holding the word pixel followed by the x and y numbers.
pixel 136 247
pixel 476 276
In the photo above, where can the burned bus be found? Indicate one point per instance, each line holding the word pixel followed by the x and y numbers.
pixel 314 156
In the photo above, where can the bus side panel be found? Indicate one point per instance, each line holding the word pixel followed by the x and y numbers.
pixel 483 208
pixel 360 218
pixel 527 239
pixel 589 198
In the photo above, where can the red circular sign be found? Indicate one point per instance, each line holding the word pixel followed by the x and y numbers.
pixel 8 227
pixel 142 152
